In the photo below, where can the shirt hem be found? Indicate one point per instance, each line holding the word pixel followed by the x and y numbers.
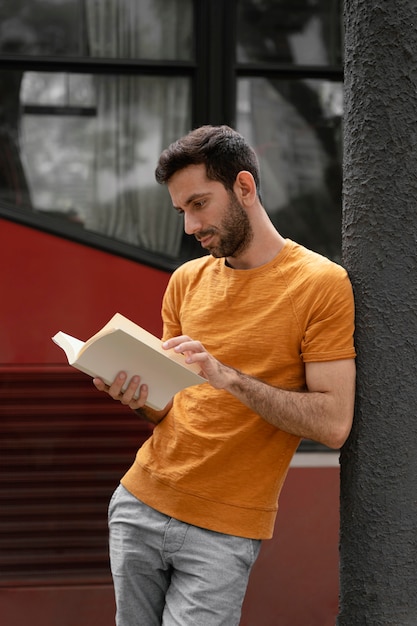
pixel 216 516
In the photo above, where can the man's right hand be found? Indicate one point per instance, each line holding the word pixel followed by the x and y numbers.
pixel 127 396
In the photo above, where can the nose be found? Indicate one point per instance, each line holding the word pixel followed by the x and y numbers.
pixel 191 224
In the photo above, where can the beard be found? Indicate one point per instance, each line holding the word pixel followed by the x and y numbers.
pixel 233 235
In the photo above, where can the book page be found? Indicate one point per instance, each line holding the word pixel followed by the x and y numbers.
pixel 118 321
pixel 118 351
pixel 70 345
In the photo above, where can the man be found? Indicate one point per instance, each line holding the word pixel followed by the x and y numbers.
pixel 271 326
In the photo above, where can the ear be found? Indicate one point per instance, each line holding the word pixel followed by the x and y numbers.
pixel 245 188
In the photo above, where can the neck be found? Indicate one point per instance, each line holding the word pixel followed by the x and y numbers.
pixel 264 247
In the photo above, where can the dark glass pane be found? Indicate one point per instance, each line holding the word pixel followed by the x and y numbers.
pixel 295 127
pixel 84 148
pixel 305 32
pixel 149 29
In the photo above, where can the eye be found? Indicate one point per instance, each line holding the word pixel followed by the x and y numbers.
pixel 179 211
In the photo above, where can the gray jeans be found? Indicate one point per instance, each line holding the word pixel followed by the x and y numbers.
pixel 171 573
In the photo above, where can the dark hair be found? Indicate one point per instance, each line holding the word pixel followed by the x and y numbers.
pixel 221 149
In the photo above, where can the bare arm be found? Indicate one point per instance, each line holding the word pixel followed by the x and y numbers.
pixel 323 412
pixel 127 397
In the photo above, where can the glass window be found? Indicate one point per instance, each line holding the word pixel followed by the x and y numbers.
pixel 44 88
pixel 304 32
pixel 42 27
pixel 295 127
pixel 124 29
pixel 84 147
pixel 153 29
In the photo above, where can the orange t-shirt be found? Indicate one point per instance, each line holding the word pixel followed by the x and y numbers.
pixel 212 461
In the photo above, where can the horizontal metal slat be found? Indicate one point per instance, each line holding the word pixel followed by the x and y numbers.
pixel 63 449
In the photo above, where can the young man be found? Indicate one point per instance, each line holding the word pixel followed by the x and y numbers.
pixel 271 326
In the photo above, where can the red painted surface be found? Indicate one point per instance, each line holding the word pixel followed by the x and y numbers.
pixel 91 605
pixel 50 284
pixel 295 579
pixel 293 583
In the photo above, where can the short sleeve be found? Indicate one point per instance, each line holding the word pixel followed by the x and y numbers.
pixel 329 330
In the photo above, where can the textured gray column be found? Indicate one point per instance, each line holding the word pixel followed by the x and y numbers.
pixel 379 462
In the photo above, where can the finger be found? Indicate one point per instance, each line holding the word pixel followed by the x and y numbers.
pixel 189 347
pixel 140 401
pixel 128 394
pixel 175 341
pixel 100 384
pixel 115 389
pixel 197 357
pixel 193 351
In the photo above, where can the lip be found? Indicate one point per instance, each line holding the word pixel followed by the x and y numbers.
pixel 205 241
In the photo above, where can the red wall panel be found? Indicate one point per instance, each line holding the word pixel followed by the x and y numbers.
pixel 50 284
pixel 293 583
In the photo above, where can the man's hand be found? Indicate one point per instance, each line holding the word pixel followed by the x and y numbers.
pixel 127 396
pixel 216 373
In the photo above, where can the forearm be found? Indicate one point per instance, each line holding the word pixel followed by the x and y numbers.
pixel 323 411
pixel 307 414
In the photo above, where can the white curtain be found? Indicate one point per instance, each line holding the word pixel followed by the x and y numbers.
pixel 137 117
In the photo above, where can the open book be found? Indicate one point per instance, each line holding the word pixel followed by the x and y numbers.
pixel 122 345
